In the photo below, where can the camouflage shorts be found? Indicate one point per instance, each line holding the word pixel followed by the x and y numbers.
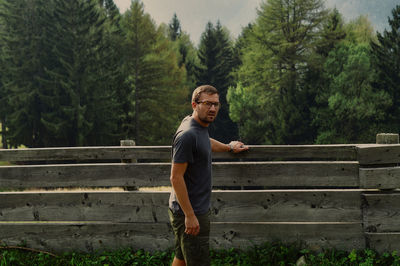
pixel 195 250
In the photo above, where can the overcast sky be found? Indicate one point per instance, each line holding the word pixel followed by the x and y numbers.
pixel 233 14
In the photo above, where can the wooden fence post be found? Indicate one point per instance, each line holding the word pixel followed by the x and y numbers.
pixel 387 138
pixel 128 142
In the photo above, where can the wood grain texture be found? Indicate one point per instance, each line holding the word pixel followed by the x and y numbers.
pixel 89 237
pixel 275 174
pixel 227 206
pixel 378 154
pixel 380 178
pixel 85 175
pixel 344 236
pixel 128 206
pixel 383 242
pixel 263 152
pixel 382 212
pixel 287 206
pixel 86 153
pixel 287 174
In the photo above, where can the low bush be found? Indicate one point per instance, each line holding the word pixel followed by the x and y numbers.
pixel 267 254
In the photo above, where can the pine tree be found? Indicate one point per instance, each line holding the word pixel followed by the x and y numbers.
pixel 345 112
pixel 156 82
pixel 317 82
pixel 350 115
pixel 274 65
pixel 386 61
pixel 114 75
pixel 82 95
pixel 331 34
pixel 25 44
pixel 186 54
pixel 216 64
pixel 5 108
pixel 111 10
pixel 174 28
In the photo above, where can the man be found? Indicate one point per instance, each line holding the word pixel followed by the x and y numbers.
pixel 189 203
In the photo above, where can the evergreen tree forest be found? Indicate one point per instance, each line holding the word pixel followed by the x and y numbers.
pixel 80 73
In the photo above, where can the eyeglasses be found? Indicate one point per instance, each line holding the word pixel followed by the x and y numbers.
pixel 209 104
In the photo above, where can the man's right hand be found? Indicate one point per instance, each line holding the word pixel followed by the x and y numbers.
pixel 192 226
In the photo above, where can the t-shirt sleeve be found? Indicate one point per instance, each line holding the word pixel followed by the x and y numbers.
pixel 183 148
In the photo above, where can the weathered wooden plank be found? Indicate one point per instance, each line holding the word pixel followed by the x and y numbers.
pixel 88 237
pixel 263 152
pixel 334 152
pixel 383 242
pixel 274 174
pixel 287 206
pixel 85 175
pixel 382 212
pixel 317 236
pixel 122 206
pixel 378 154
pixel 381 178
pixel 227 206
pixel 287 174
pixel 86 153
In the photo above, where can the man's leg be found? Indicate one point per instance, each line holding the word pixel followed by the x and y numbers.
pixel 196 249
pixel 178 262
pixel 178 227
pixel 191 250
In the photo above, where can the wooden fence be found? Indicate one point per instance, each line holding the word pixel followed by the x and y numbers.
pixel 328 196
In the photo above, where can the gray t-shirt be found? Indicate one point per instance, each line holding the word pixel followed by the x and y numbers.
pixel 191 144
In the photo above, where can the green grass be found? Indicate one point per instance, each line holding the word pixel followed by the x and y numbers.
pixel 267 254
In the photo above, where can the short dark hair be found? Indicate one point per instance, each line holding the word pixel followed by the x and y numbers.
pixel 203 88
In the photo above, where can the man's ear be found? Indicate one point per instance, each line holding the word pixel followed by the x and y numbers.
pixel 194 104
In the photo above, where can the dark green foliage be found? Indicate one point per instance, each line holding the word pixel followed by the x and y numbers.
pixel 216 64
pixel 349 109
pixel 24 36
pixel 155 81
pixel 315 80
pixel 274 62
pixel 174 28
pixel 350 116
pixel 18 257
pixel 58 73
pixel 82 77
pixel 110 9
pixel 78 73
pixel 186 56
pixel 331 34
pixel 386 61
pixel 266 254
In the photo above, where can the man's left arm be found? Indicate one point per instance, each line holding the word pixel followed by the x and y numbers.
pixel 233 146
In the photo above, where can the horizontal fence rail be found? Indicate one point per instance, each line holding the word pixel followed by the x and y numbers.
pixel 281 152
pixel 318 174
pixel 327 196
pixel 135 206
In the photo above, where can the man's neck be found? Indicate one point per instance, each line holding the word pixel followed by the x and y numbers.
pixel 196 117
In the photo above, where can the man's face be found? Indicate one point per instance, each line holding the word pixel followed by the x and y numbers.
pixel 207 107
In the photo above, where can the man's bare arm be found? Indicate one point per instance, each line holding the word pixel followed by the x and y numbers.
pixel 233 146
pixel 192 226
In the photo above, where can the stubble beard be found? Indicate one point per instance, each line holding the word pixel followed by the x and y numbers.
pixel 207 120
